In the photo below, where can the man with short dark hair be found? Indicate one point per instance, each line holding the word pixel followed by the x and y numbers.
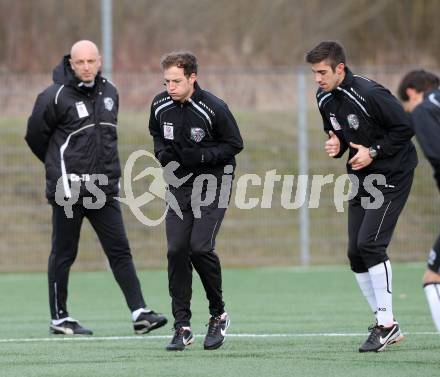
pixel 420 93
pixel 195 133
pixel 364 118
pixel 72 130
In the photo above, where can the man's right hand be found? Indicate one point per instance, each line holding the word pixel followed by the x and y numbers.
pixel 167 155
pixel 332 146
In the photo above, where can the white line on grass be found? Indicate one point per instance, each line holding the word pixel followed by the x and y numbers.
pixel 62 338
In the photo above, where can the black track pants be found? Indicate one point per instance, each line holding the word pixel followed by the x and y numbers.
pixel 191 243
pixel 370 230
pixel 434 257
pixel 108 224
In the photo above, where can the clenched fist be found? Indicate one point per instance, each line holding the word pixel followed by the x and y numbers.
pixel 332 146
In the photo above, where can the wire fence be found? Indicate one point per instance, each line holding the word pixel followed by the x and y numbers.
pixel 265 103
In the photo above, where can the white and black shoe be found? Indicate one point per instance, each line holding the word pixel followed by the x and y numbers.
pixel 182 338
pixel 216 334
pixel 148 321
pixel 380 337
pixel 397 340
pixel 69 327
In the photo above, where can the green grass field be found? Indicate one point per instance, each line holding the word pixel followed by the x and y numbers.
pixel 285 322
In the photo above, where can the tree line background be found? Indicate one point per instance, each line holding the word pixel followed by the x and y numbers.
pixel 231 33
pixel 250 54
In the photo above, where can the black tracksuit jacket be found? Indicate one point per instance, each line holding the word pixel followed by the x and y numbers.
pixel 362 111
pixel 204 121
pixel 72 130
pixel 426 121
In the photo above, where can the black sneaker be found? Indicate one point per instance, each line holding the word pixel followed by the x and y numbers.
pixel 397 340
pixel 69 327
pixel 216 334
pixel 183 337
pixel 380 337
pixel 147 322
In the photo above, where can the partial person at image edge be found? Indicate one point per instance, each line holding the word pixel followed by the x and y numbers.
pixel 420 93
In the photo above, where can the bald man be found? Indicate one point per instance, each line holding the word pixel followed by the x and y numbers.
pixel 73 131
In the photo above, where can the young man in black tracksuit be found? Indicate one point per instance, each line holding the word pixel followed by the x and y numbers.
pixel 420 93
pixel 72 130
pixel 194 130
pixel 364 118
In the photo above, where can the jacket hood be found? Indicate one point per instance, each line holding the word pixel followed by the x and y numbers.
pixel 63 73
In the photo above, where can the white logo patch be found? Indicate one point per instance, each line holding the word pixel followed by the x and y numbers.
pixel 81 109
pixel 108 103
pixel 168 132
pixel 197 134
pixel 187 341
pixel 432 257
pixel 335 123
pixel 353 121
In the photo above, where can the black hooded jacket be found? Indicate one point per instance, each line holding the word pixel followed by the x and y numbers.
pixel 72 129
pixel 362 111
pixel 426 120
pixel 202 123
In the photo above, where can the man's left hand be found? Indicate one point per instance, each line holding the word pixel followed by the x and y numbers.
pixel 361 159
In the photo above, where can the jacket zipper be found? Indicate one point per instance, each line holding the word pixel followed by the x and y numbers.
pixel 95 101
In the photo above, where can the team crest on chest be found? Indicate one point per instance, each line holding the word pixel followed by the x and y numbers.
pixel 197 134
pixel 353 121
pixel 108 103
